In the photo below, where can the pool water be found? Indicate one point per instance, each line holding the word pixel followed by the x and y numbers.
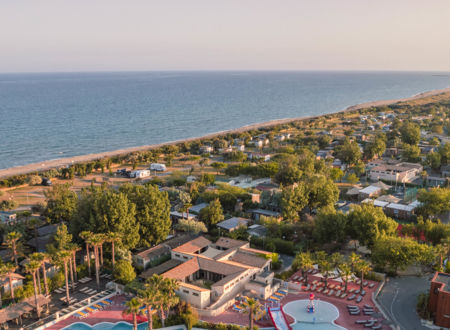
pixel 107 326
pixel 322 318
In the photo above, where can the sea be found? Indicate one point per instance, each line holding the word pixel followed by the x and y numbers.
pixel 45 116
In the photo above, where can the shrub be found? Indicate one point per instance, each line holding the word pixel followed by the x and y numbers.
pixel 124 272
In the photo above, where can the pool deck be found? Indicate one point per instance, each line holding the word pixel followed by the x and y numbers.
pixel 115 312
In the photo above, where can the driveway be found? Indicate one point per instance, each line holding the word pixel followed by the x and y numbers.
pixel 399 298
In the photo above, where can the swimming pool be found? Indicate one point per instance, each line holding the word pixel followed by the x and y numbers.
pixel 322 319
pixel 109 326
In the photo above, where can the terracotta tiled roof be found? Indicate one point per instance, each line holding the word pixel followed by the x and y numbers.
pixel 218 267
pixel 229 243
pixel 184 270
pixel 194 245
pixel 249 259
pixel 154 252
pixel 162 268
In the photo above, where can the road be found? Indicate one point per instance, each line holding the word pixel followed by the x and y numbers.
pixel 399 297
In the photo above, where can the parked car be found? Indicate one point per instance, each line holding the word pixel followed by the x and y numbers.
pixel 46 182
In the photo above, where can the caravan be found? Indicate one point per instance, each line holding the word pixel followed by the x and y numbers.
pixel 158 167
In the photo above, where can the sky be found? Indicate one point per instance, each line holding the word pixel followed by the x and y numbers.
pixel 146 35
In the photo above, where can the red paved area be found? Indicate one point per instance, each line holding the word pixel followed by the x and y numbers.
pixel 345 319
pixel 112 314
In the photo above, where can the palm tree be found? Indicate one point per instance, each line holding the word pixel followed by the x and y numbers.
pixel 157 283
pixel 354 259
pixel 85 235
pixel 346 272
pixel 103 239
pixel 73 249
pixel 133 307
pixel 251 306
pixel 63 257
pixel 150 298
pixel 9 269
pixel 363 268
pixel 12 239
pixel 305 262
pixel 170 288
pixel 95 241
pixel 33 267
pixel 3 273
pixel 325 268
pixel 113 238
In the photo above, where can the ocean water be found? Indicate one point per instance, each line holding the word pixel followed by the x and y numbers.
pixel 49 116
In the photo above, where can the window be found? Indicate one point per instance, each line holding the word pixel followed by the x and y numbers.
pixel 186 291
pixel 184 257
pixel 195 294
pixel 177 255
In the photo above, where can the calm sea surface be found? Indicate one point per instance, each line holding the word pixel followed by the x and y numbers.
pixel 49 116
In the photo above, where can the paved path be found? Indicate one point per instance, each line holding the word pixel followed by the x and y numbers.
pixel 399 298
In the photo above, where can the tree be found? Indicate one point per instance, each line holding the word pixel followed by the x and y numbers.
pixel 207 178
pixel 85 235
pixel 170 298
pixel 133 307
pixel 33 267
pixel 325 267
pixel 42 258
pixel 62 238
pixel 375 148
pixel 213 213
pixel 304 261
pixel 12 242
pixel 124 272
pixel 410 133
pixel 34 180
pixel 433 202
pixel 63 258
pixel 352 178
pixel 348 152
pixel 444 151
pixel 113 238
pixel 411 153
pixel 188 314
pixel 251 306
pixel 393 253
pixel 363 267
pixel 191 226
pixel 219 166
pixel 8 270
pixel 95 241
pixel 433 160
pixel 150 298
pixel 61 203
pixel 288 174
pixel 336 174
pixel 322 192
pixel 331 226
pixel 368 223
pixel 293 201
pixel 157 282
pixel 346 273
pixel 152 212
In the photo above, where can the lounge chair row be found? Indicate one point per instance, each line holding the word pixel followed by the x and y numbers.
pixel 93 308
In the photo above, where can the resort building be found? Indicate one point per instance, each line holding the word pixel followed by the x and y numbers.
pixel 439 303
pixel 211 274
pixel 403 172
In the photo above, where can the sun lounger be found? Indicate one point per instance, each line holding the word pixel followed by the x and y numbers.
pixel 319 290
pixel 358 281
pixel 331 286
pixel 343 295
pixel 369 324
pixel 295 277
pixel 357 291
pixel 368 312
pixel 371 285
pixel 358 300
pixel 353 296
pixel 377 327
pixel 365 283
pixel 84 289
pixel 331 292
pixel 325 291
pixel 307 287
pixel 363 293
pixel 367 306
pixel 338 293
pixel 355 313
pixel 351 290
pixel 361 321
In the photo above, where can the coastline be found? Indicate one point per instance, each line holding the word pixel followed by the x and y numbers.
pixel 62 162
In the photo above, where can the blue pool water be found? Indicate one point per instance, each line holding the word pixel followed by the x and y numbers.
pixel 322 319
pixel 107 326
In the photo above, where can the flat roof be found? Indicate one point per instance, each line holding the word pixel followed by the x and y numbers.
pixel 233 223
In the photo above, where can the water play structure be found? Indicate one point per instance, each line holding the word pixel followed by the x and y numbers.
pixel 311 308
pixel 278 318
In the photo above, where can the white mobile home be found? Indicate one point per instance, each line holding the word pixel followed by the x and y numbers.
pixel 158 167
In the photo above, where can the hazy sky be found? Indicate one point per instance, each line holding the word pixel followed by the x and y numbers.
pixel 91 35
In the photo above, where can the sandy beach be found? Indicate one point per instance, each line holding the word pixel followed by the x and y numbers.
pixel 63 162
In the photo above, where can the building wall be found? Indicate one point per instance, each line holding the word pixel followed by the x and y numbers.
pixel 442 318
pixel 199 299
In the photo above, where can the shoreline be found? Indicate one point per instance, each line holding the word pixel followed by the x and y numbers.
pixel 63 162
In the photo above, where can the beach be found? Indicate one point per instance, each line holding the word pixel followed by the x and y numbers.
pixel 63 162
